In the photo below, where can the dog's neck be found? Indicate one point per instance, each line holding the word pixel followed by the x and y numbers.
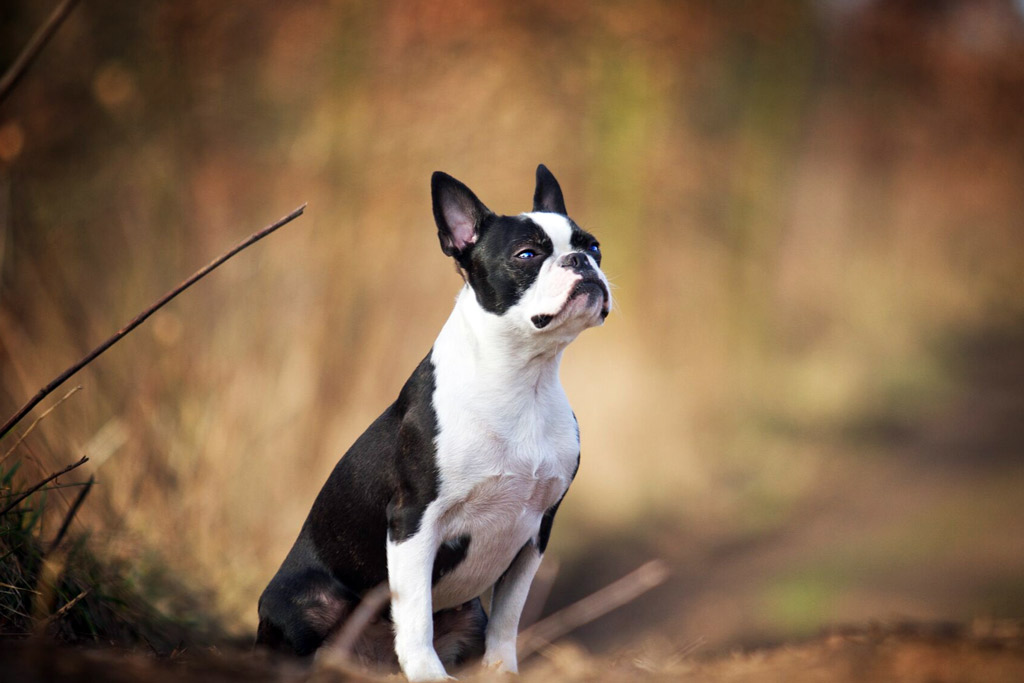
pixel 486 350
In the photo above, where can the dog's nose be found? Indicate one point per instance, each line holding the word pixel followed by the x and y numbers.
pixel 576 261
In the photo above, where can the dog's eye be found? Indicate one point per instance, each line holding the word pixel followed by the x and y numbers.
pixel 595 247
pixel 526 254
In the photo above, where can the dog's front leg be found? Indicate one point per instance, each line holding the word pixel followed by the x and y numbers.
pixel 506 606
pixel 410 562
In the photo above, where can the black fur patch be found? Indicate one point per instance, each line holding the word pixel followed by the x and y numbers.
pixel 380 488
pixel 494 269
pixel 449 556
pixel 542 320
pixel 415 462
pixel 581 240
pixel 546 522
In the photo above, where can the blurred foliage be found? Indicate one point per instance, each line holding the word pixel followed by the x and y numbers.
pixel 56 586
pixel 811 212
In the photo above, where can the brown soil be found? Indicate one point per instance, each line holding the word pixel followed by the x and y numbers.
pixel 986 652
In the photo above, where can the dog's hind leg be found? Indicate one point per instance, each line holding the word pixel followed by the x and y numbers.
pixel 299 610
pixel 459 633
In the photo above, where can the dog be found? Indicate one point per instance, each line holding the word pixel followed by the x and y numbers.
pixel 452 491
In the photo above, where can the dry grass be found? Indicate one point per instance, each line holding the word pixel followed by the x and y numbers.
pixel 54 589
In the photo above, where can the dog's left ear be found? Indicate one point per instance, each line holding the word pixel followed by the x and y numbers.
pixel 457 212
pixel 548 195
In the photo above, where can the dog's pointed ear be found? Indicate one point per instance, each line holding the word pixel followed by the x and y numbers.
pixel 548 195
pixel 457 212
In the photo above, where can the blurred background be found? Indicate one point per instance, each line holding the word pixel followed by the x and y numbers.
pixel 809 400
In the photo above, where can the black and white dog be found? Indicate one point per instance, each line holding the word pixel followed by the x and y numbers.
pixel 453 489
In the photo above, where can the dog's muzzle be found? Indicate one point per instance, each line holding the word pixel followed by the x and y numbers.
pixel 591 286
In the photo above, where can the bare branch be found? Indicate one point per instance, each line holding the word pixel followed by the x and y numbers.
pixel 369 607
pixel 141 317
pixel 34 47
pixel 72 511
pixel 28 492
pixel 67 607
pixel 614 595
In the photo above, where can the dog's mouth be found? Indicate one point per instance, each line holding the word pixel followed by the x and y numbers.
pixel 591 287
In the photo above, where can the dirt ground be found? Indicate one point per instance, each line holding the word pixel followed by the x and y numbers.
pixel 985 652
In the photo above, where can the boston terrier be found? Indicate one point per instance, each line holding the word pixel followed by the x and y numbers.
pixel 452 491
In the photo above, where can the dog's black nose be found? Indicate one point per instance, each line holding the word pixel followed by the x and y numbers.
pixel 577 261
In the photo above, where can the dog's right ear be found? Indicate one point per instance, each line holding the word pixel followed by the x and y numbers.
pixel 457 212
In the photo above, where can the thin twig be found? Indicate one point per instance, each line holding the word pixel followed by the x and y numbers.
pixel 369 607
pixel 25 494
pixel 614 595
pixel 20 589
pixel 34 47
pixel 141 317
pixel 67 606
pixel 72 511
pixel 37 421
pixel 55 487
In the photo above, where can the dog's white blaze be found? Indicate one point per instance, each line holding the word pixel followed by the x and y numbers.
pixel 556 226
pixel 548 294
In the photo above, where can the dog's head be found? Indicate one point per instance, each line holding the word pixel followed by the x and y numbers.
pixel 539 271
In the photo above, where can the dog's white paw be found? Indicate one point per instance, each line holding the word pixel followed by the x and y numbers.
pixel 501 659
pixel 425 668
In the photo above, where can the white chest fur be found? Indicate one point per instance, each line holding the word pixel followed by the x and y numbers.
pixel 507 446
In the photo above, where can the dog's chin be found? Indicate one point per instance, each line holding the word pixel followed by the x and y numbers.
pixel 587 302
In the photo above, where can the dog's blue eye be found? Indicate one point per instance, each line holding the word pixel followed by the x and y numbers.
pixel 595 247
pixel 526 254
